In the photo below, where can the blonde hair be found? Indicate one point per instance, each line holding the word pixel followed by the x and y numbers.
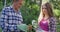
pixel 49 10
pixel 40 16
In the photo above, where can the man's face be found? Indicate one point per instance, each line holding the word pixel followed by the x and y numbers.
pixel 19 3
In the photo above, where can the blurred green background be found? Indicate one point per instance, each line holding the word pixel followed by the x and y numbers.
pixel 31 9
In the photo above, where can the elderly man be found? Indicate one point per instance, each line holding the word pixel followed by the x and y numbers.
pixel 11 17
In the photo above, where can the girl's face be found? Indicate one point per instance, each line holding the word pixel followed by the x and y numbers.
pixel 44 10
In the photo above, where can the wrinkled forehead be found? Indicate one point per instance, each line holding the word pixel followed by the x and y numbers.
pixel 17 0
pixel 20 0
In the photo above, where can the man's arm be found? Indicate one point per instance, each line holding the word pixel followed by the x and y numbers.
pixel 3 19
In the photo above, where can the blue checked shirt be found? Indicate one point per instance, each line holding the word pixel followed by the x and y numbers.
pixel 9 18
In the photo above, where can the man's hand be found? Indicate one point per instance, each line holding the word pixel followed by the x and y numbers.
pixel 29 27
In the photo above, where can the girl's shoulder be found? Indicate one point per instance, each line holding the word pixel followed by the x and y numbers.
pixel 52 19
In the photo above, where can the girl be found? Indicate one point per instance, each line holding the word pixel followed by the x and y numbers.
pixel 46 20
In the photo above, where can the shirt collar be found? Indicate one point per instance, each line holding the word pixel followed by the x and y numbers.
pixel 14 10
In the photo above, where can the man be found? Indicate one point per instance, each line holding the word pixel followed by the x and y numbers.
pixel 11 17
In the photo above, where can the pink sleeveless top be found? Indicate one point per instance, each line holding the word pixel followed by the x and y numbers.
pixel 44 25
